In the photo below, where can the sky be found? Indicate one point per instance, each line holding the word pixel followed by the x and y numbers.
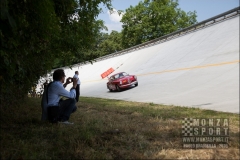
pixel 205 9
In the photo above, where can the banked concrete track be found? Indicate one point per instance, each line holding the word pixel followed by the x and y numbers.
pixel 198 69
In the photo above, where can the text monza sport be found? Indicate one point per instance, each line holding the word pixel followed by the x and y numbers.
pixel 210 127
pixel 208 133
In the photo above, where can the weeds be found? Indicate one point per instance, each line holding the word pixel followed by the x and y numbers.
pixel 107 129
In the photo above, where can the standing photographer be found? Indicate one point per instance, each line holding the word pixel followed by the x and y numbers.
pixel 52 95
pixel 78 85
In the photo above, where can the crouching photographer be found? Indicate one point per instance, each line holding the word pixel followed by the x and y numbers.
pixel 53 109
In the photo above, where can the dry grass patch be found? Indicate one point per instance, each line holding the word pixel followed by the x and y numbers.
pixel 108 129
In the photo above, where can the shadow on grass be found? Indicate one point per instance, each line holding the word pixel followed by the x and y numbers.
pixel 107 129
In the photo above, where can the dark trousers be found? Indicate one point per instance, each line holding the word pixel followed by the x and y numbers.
pixel 66 107
pixel 77 92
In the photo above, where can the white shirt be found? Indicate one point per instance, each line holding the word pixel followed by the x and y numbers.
pixel 76 76
pixel 55 91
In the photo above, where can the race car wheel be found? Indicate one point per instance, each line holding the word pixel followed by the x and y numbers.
pixel 118 88
pixel 109 88
pixel 136 84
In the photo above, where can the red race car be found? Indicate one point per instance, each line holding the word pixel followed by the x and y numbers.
pixel 121 80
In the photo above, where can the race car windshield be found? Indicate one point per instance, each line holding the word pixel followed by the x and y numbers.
pixel 118 75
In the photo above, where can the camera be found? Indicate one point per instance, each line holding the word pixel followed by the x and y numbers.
pixel 70 79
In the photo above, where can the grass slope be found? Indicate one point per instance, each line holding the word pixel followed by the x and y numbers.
pixel 107 129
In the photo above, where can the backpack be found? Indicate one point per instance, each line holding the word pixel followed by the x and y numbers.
pixel 50 113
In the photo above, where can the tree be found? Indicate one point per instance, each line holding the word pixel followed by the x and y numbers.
pixel 37 35
pixel 106 44
pixel 111 44
pixel 152 19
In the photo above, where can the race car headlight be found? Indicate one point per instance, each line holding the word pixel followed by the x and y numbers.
pixel 120 82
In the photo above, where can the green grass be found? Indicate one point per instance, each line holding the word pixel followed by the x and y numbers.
pixel 107 129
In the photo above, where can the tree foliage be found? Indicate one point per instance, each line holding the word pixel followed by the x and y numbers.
pixel 38 35
pixel 152 19
pixel 106 44
pixel 111 44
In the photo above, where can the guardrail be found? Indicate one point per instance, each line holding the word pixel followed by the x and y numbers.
pixel 221 17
